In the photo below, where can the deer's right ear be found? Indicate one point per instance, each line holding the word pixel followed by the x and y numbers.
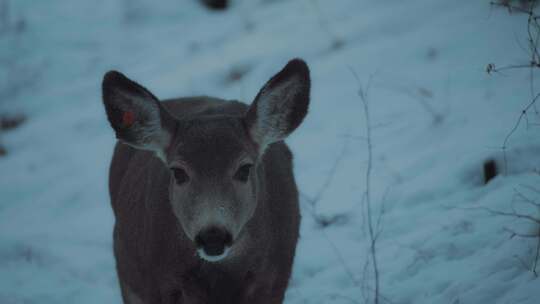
pixel 136 115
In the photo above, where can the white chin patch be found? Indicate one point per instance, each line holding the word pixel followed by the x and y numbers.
pixel 213 258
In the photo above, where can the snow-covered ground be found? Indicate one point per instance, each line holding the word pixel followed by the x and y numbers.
pixel 436 246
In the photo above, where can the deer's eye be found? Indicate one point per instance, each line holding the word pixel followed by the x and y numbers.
pixel 180 175
pixel 242 174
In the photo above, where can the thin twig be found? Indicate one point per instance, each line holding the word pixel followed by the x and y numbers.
pixel 511 8
pixel 517 215
pixel 507 214
pixel 330 176
pixel 379 228
pixel 321 221
pixel 491 68
pixel 363 94
pixel 533 40
pixel 313 201
pixel 530 188
pixel 526 199
pixel 536 257
pixel 522 262
pixel 513 130
pixel 341 259
pixel 336 42
pixel 522 235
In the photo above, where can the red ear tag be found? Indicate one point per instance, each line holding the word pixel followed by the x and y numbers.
pixel 128 118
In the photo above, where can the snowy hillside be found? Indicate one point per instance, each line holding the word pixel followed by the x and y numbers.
pixel 436 116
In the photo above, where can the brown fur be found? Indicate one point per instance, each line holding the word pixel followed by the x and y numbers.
pixel 158 263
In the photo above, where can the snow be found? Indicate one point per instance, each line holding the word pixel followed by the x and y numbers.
pixel 436 246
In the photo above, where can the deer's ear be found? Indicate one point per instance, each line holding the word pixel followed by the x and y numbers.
pixel 135 114
pixel 281 104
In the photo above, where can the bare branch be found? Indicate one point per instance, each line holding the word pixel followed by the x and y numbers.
pixel 536 257
pixel 522 262
pixel 511 8
pixel 522 235
pixel 508 214
pixel 335 41
pixel 341 259
pixel 513 233
pixel 533 40
pixel 514 128
pixel 332 173
pixel 363 94
pixel 526 199
pixel 491 68
pixel 313 201
pixel 530 188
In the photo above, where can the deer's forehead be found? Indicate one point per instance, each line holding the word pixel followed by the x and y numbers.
pixel 212 143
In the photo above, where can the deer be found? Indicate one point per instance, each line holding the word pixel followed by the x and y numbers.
pixel 203 193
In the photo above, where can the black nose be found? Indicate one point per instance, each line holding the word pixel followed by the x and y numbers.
pixel 213 240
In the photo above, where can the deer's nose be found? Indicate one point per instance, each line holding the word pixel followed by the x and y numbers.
pixel 213 241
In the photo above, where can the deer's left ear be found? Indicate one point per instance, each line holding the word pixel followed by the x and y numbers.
pixel 136 115
pixel 281 105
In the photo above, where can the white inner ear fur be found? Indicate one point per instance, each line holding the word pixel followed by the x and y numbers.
pixel 151 136
pixel 273 109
